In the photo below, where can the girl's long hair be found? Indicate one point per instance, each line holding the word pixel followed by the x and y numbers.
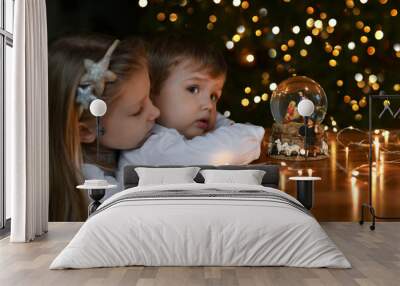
pixel 66 151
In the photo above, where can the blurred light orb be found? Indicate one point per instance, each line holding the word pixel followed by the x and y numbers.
pixel 276 30
pixel 142 3
pixel 351 46
pixel 296 29
pixel 292 91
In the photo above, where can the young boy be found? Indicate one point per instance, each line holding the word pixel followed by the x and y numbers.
pixel 187 78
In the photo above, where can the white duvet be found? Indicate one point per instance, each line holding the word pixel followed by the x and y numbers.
pixel 200 231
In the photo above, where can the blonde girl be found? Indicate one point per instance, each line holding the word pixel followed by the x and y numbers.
pixel 129 118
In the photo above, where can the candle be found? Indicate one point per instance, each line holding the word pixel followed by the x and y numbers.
pixel 376 143
pixel 386 134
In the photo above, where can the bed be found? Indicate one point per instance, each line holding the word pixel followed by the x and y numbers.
pixel 198 224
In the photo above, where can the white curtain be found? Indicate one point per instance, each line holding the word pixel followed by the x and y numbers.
pixel 27 171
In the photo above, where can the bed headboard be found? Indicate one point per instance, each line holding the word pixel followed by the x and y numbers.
pixel 270 179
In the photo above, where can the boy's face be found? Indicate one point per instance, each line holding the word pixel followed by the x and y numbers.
pixel 188 99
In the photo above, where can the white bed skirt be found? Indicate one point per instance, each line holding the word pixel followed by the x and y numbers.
pixel 200 232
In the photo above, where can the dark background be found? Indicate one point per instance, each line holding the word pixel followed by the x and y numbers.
pixel 123 18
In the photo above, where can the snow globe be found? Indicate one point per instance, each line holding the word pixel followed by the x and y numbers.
pixel 293 136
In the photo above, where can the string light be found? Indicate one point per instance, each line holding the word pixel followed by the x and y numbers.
pixel 173 17
pixel 142 3
pixel 257 99
pixel 308 40
pixel 241 29
pixel 229 45
pixel 296 29
pixel 379 35
pixel 275 30
pixel 245 102
pixel 351 45
pixel 236 3
pixel 250 58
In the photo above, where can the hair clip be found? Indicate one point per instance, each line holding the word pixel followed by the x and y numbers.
pixel 97 73
pixel 84 97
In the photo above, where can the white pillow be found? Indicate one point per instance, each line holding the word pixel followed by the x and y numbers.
pixel 163 176
pixel 248 177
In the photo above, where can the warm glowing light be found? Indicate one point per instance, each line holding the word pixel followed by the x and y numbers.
pixel 212 18
pixel 258 32
pixel 275 30
pixel 339 82
pixel 291 43
pixel 363 39
pixel 241 29
pixel 245 5
pixel 354 59
pixel 359 24
pixel 346 99
pixel 303 52
pixel 236 38
pixel 318 24
pixel 310 10
pixel 335 52
pixel 355 107
pixel 161 17
pixel 379 35
pixel 393 12
pixel 310 22
pixel 173 17
pixel 245 102
pixel 386 134
pixel 247 89
pixel 142 3
pixel 236 3
pixel 396 47
pixel 358 77
pixel 257 99
pixel 351 45
pixel 264 96
pixel 229 45
pixel 332 63
pixel 284 47
pixel 296 29
pixel 272 53
pixel 287 58
pixel 255 19
pixel 308 40
pixel 332 22
pixel 371 50
pixel 315 31
pixel 250 58
pixel 372 78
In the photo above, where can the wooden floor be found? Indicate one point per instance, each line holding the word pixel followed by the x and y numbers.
pixel 344 185
pixel 374 255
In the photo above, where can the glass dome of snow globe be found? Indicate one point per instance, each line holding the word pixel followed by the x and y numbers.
pixel 290 92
